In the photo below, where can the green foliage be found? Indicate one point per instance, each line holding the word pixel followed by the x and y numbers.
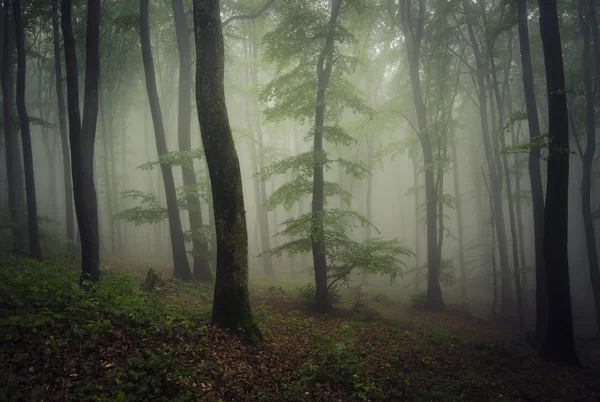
pixel 344 255
pixel 175 158
pixel 150 210
pixel 307 295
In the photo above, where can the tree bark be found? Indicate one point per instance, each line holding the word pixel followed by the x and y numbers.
pixel 558 343
pixel 14 171
pixel 181 266
pixel 82 135
pixel 200 254
pixel 535 174
pixel 231 306
pixel 35 250
pixel 588 156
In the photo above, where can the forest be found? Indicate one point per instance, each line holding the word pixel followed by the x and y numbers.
pixel 299 200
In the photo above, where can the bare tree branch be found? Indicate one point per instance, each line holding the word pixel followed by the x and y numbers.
pixel 249 16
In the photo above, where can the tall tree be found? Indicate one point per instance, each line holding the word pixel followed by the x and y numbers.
pixel 82 134
pixel 64 139
pixel 324 66
pixel 181 266
pixel 590 149
pixel 200 252
pixel 558 343
pixel 13 152
pixel 35 250
pixel 413 36
pixel 535 174
pixel 231 305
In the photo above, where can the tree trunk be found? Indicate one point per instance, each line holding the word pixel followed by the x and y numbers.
pixel 14 168
pixel 64 139
pixel 324 67
pixel 107 179
pixel 511 211
pixel 494 169
pixel 558 343
pixel 181 266
pixel 231 306
pixel 82 136
pixel 588 156
pixel 459 218
pixel 413 38
pixel 535 174
pixel 202 270
pixel 265 234
pixel 35 250
pixel 415 165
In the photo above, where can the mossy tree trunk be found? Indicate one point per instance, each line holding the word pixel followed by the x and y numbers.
pixel 181 266
pixel 231 305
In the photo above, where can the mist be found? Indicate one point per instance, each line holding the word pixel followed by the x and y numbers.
pixel 265 167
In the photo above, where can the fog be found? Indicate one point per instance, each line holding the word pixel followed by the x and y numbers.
pixel 372 137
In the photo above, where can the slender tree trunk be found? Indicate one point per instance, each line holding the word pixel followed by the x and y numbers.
pixel 369 196
pixel 180 261
pixel 494 169
pixel 231 306
pixel 82 136
pixel 415 164
pixel 558 343
pixel 14 170
pixel 35 250
pixel 459 218
pixel 265 233
pixel 511 212
pixel 413 38
pixel 202 270
pixel 588 156
pixel 107 179
pixel 535 174
pixel 324 67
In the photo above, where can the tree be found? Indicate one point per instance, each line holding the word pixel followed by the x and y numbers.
pixel 181 266
pixel 535 175
pixel 64 140
pixel 13 152
pixel 324 67
pixel 231 306
pixel 35 250
pixel 82 134
pixel 202 271
pixel 413 36
pixel 585 22
pixel 558 343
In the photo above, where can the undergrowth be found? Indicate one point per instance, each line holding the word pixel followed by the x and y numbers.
pixel 116 342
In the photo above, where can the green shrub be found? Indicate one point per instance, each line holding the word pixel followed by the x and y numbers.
pixel 308 294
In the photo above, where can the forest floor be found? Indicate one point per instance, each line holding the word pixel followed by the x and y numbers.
pixel 117 342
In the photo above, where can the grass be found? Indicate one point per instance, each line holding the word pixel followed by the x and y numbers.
pixel 118 343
